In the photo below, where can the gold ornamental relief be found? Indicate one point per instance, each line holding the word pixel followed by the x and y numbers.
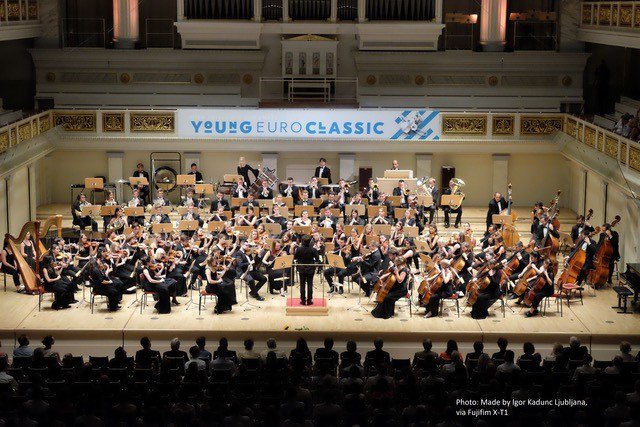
pixel 586 14
pixel 626 15
pixel 146 122
pixel 590 136
pixel 464 125
pixel 503 125
pixel 4 141
pixel 611 147
pixel 24 132
pixel 634 158
pixel 13 11
pixel 45 123
pixel 33 11
pixel 541 125
pixel 623 152
pixel 637 24
pixel 75 122
pixel 13 138
pixel 572 128
pixel 604 15
pixel 600 142
pixel 113 122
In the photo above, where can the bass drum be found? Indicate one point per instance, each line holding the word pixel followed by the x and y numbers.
pixel 165 178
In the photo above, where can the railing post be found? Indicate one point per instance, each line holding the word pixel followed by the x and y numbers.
pixel 333 16
pixel 19 10
pixel 257 10
pixel 362 10
pixel 6 10
pixel 180 10
pixel 438 17
pixel 285 11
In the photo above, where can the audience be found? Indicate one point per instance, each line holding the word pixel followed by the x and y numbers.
pixel 201 342
pixel 628 126
pixel 228 391
pixel 23 349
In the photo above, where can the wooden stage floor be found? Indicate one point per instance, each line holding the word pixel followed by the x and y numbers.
pixel 595 322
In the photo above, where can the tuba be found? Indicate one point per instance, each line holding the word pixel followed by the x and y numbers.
pixel 457 185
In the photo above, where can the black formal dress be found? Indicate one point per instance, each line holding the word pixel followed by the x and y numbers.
pixel 488 296
pixel 386 308
pixel 244 171
pixel 225 290
pixel 164 291
pixel 6 269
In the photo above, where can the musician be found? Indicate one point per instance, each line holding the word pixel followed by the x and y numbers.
pixel 344 193
pixel 118 222
pixel 581 224
pixel 103 285
pixel 303 220
pixel 28 251
pixel 244 169
pixel 538 210
pixel 408 219
pixel 305 199
pixel 135 202
pixel 9 265
pixel 327 219
pixel 109 201
pixel 79 219
pixel 489 295
pixel 278 277
pixel 290 190
pixel 432 240
pixel 394 165
pixel 354 219
pixel 400 190
pixel 54 282
pixel 248 219
pixel 240 191
pixel 313 190
pixel 192 215
pixel 251 202
pixel 189 199
pixel 545 228
pixel 546 272
pixel 386 308
pixel 523 260
pixel 614 239
pixel 380 218
pixel 143 189
pixel 64 261
pixel 160 201
pixel 496 206
pixel 384 201
pixel 369 268
pixel 306 254
pixel 322 171
pixel 245 269
pixel 265 192
pixel 194 171
pixel 152 280
pixel 433 191
pixel 159 218
pixel 446 275
pixel 220 280
pixel 330 273
pixel 447 209
pixel 218 202
pixel 371 192
pixel 586 244
pixel 466 273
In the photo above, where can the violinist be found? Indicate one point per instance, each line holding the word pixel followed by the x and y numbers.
pixel 103 285
pixel 124 267
pixel 265 193
pixel 544 272
pixel 153 280
pixel 54 282
pixel 175 267
pixel 354 218
pixel 445 274
pixel 586 244
pixel 490 294
pixel 397 236
pixel 386 308
pixel 79 218
pixel 278 277
pixel 220 278
pixel 369 268
pixel 67 269
pixel 9 265
pixel 581 224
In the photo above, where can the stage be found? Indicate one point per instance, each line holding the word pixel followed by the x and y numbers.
pixel 77 329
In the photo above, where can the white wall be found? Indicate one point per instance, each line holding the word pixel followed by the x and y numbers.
pixel 3 209
pixel 595 197
pixel 18 200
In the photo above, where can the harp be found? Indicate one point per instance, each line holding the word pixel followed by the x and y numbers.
pixel 31 277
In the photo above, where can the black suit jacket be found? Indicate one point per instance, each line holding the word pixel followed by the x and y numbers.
pixel 267 197
pixel 216 204
pixel 146 357
pixel 294 192
pixel 306 255
pixel 378 356
pixel 590 252
pixel 326 173
pixel 576 229
pixel 494 210
pixel 538 234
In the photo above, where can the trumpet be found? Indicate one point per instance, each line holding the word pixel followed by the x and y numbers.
pixel 407 191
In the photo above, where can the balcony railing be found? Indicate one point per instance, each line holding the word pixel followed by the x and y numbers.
pixel 23 130
pixel 611 14
pixel 18 11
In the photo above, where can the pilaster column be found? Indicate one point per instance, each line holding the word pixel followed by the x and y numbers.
pixel 493 25
pixel 270 160
pixel 33 199
pixel 438 18
pixel 423 165
pixel 500 172
pixel 362 10
pixel 257 10
pixel 180 10
pixel 347 165
pixel 285 11
pixel 115 171
pixel 333 17
pixel 126 30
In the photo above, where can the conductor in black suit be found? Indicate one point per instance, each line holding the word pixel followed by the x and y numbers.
pixel 323 171
pixel 496 206
pixel 306 254
pixel 244 169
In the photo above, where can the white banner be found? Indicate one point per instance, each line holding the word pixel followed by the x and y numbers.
pixel 309 124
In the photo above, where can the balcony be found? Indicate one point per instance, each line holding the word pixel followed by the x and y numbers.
pixel 19 19
pixel 615 23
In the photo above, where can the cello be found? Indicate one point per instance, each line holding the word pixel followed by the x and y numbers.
pixel 601 261
pixel 479 283
pixel 383 286
pixel 575 263
pixel 536 285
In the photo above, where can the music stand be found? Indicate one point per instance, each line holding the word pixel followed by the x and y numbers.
pixel 92 210
pixel 373 238
pixel 372 210
pixel 326 232
pixel 336 261
pixel 412 232
pixel 382 229
pixel 134 211
pixel 186 225
pixel 348 228
pixel 395 200
pixel 422 246
pixel 135 181
pixel 265 203
pixel 244 229
pixel 424 199
pixel 164 210
pixel 399 174
pixel 203 189
pixel 215 226
pixel 358 208
pixel 94 184
pixel 185 180
pixel 302 229
pixel 231 177
pixel 162 228
pixel 501 219
pixel 299 208
pixel 451 199
pixel 322 181
pixel 184 209
pixel 108 210
pixel 273 228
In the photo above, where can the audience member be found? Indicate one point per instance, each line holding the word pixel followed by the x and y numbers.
pixel 23 349
pixel 502 349
pixel 201 342
pixel 175 351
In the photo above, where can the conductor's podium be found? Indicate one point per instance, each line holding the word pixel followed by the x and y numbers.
pixel 319 307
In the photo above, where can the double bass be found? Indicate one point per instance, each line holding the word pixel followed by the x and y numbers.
pixel 509 233
pixel 601 261
pixel 554 210
pixel 575 263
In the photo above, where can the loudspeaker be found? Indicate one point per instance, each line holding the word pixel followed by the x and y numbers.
pixel 447 173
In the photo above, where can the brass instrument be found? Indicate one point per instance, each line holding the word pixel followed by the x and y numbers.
pixel 407 191
pixel 457 185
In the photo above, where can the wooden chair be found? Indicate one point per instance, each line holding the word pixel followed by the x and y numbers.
pixel 203 294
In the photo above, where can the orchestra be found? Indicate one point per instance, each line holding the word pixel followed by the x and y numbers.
pixel 391 251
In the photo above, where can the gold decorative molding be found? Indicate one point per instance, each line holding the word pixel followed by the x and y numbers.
pixel 113 122
pixel 611 147
pixel 614 14
pixel 604 14
pixel 586 14
pixel 533 125
pixel 590 136
pixel 13 11
pixel 566 81
pixel 3 12
pixel 24 132
pixel 419 80
pixel 623 152
pixel 125 78
pixel 600 142
pixel 247 79
pixel 572 128
pixel 198 78
pixel 503 125
pixel 13 138
pixel 4 141
pixel 45 123
pixel 493 81
pixel 464 125
pixel 152 122
pixel 75 122
pixel 637 24
pixel 626 15
pixel 634 158
pixel 371 79
pixel 33 11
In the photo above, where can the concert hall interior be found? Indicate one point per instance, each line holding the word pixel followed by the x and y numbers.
pixel 413 171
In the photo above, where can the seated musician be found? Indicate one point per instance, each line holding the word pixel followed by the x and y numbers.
pixel 124 268
pixel 153 280
pixel 189 199
pixel 279 201
pixel 118 222
pixel 417 213
pixel 194 171
pixel 327 219
pixel 68 271
pixel 356 200
pixel 386 308
pixel 109 201
pixel 369 268
pixel 303 220
pixel 192 215
pixel 496 206
pixel 276 217
pixel 313 189
pixel 304 201
pixel 330 273
pixel 546 272
pixel 444 273
pixel 143 189
pixel 354 218
pixel 290 190
pixel 278 277
pixel 408 219
pixel 380 218
pixel 433 191
pixel 159 218
pixel 265 193
pixel 522 255
pixel 79 218
pixel 447 209
pixel 219 215
pixel 9 265
pixel 397 236
pixel 371 192
pixel 219 201
pixel 432 240
pixel 220 276
pixel 344 194
pixel 160 200
pixel 251 202
pixel 136 202
pixel 489 295
pixel 465 274
pixel 102 284
pixel 581 224
pixel 400 190
pixel 54 282
pixel 240 191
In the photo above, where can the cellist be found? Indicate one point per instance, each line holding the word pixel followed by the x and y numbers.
pixel 490 294
pixel 545 228
pixel 545 271
pixel 535 264
pixel 586 244
pixel 447 276
pixel 386 308
pixel 614 239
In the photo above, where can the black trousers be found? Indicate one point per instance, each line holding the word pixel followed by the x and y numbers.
pixel 458 213
pixel 306 286
pixel 432 212
pixel 84 222
pixel 11 272
pixel 341 273
pixel 251 278
pixel 112 293
pixel 368 283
